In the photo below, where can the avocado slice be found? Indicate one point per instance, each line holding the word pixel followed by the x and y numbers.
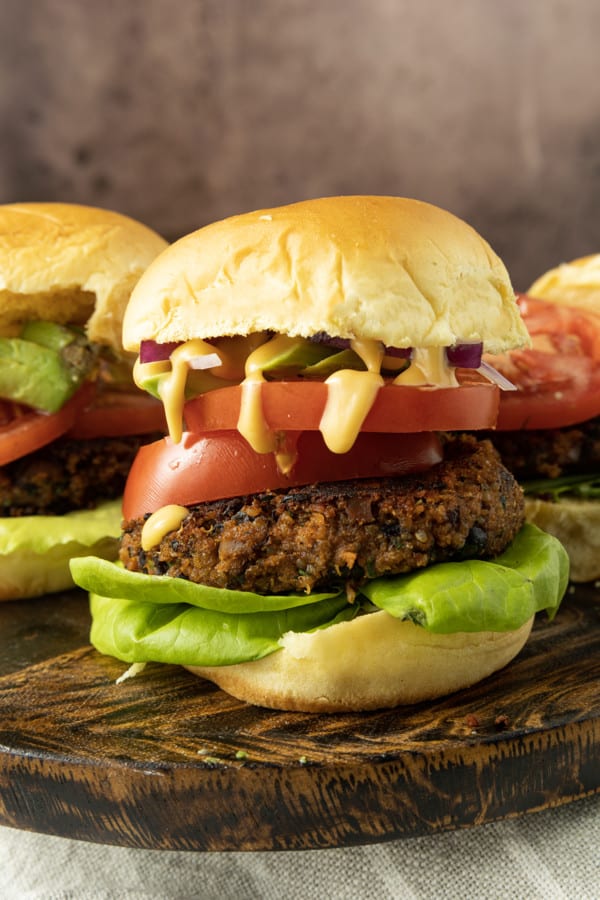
pixel 299 356
pixel 45 366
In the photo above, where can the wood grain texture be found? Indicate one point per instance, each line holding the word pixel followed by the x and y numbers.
pixel 168 761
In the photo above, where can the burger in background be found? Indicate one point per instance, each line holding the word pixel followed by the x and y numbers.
pixel 549 430
pixel 71 419
pixel 305 537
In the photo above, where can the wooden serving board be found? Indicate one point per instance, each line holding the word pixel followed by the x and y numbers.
pixel 168 761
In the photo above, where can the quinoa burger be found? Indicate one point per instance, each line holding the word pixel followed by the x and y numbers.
pixel 71 419
pixel 313 534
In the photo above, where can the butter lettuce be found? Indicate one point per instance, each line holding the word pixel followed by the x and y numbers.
pixel 585 487
pixel 143 618
pixel 481 595
pixel 137 631
pixel 35 550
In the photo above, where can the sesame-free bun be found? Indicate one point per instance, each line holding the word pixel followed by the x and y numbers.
pixel 70 264
pixel 386 268
pixel 374 661
pixel 575 283
pixel 576 524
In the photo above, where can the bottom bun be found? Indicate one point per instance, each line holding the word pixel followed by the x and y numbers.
pixel 576 524
pixel 372 662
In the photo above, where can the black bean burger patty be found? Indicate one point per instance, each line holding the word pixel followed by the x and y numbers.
pixel 67 475
pixel 315 537
pixel 551 453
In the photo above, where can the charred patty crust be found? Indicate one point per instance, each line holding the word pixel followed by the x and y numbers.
pixel 320 536
pixel 67 475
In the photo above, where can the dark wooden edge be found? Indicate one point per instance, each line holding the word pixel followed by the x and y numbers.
pixel 270 808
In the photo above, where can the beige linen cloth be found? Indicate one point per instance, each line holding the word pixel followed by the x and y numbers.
pixel 550 855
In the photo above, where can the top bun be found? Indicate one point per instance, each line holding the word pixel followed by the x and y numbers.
pixel 385 268
pixel 71 264
pixel 576 283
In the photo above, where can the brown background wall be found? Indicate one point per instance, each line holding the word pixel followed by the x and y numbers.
pixel 182 111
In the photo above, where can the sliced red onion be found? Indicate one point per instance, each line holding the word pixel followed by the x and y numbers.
pixel 466 356
pixel 398 352
pixel 496 377
pixel 205 362
pixel 152 351
pixel 338 343
pixel 321 337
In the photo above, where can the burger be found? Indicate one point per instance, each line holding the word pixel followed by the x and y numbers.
pixel 314 533
pixel 70 420
pixel 549 429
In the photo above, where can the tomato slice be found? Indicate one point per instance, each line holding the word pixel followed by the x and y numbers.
pixel 558 378
pixel 398 409
pixel 222 464
pixel 22 430
pixel 115 413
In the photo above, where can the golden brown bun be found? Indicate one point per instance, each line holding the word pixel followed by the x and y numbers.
pixel 68 263
pixel 372 662
pixel 576 523
pixel 386 268
pixel 576 283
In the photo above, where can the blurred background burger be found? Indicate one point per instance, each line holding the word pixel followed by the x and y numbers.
pixel 549 430
pixel 71 419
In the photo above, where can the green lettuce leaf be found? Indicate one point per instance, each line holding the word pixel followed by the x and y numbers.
pixel 35 551
pixel 143 618
pixel 190 636
pixel 110 580
pixel 38 534
pixel 480 595
pixel 586 487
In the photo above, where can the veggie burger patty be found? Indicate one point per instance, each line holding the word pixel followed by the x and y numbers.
pixel 319 536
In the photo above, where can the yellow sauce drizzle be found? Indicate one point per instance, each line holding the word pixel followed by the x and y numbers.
pixel 428 366
pixel 166 519
pixel 251 422
pixel 350 396
pixel 350 393
pixel 172 385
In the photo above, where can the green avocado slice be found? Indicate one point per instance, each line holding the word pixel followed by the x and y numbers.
pixel 45 366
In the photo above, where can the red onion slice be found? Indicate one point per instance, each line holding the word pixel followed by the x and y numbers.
pixel 205 362
pixel 398 352
pixel 338 343
pixel 466 356
pixel 496 377
pixel 152 351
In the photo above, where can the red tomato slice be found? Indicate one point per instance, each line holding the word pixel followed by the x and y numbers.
pixel 558 378
pixel 222 464
pixel 22 431
pixel 398 409
pixel 115 413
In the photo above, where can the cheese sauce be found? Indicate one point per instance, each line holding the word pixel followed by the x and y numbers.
pixel 172 385
pixel 350 396
pixel 160 523
pixel 428 367
pixel 251 422
pixel 350 393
